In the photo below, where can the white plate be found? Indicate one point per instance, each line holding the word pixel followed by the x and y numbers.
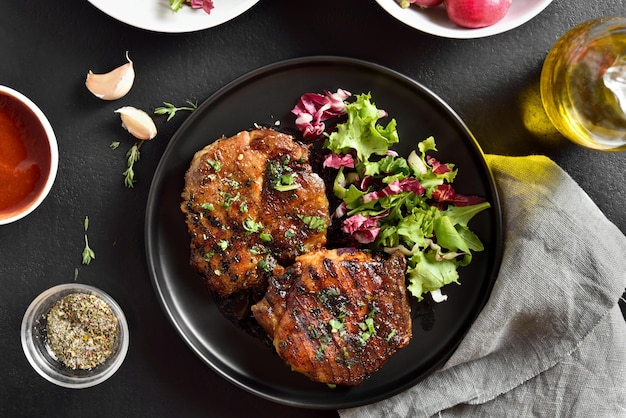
pixel 156 15
pixel 435 21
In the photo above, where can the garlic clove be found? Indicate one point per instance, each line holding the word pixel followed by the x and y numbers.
pixel 137 122
pixel 114 84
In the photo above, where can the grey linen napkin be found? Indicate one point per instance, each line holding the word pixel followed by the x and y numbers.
pixel 551 340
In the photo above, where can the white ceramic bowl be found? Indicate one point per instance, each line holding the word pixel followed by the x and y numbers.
pixel 157 16
pixel 42 153
pixel 435 21
pixel 41 356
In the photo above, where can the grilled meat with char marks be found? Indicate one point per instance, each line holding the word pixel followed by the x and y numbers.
pixel 252 204
pixel 338 315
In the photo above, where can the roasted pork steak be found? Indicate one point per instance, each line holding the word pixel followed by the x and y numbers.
pixel 252 204
pixel 338 315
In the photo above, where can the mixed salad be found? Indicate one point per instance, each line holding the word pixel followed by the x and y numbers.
pixel 388 202
pixel 206 5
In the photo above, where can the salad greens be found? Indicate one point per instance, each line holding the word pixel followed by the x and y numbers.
pixel 388 202
pixel 206 5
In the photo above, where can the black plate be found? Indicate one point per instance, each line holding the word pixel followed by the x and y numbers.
pixel 266 96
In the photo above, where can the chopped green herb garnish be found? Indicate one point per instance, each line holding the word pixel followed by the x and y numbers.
pixel 215 164
pixel 313 222
pixel 251 226
pixel 267 264
pixel 285 187
pixel 265 237
pixel 319 352
pixel 208 255
pixel 336 326
pixel 312 332
pixel 264 265
pixel 208 206
pixel 228 199
pixel 234 184
pixel 287 179
pixel 256 250
pixel 281 176
pixel 367 329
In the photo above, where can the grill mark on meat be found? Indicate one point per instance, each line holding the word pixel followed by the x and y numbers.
pixel 330 268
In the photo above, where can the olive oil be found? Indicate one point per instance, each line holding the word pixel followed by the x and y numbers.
pixel 583 84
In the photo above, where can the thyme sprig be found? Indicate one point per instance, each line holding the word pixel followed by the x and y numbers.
pixel 132 156
pixel 88 253
pixel 170 109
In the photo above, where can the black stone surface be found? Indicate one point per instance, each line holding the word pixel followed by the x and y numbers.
pixel 46 49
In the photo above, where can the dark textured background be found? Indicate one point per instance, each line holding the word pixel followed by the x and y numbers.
pixel 46 49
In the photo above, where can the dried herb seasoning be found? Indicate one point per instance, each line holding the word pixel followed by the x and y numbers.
pixel 81 330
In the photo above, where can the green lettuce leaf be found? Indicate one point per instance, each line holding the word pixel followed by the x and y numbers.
pixel 461 215
pixel 426 273
pixel 362 132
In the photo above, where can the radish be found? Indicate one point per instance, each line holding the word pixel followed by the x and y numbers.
pixel 476 13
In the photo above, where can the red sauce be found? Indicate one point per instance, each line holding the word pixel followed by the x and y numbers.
pixel 24 156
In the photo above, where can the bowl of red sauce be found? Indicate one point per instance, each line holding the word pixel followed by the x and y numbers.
pixel 29 156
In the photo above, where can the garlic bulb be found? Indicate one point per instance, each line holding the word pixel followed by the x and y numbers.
pixel 137 122
pixel 114 84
